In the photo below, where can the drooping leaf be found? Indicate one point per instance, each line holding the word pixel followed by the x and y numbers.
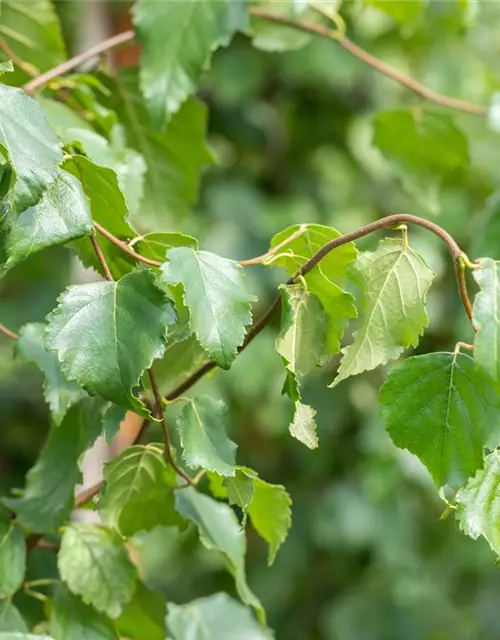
pixel 95 565
pixel 478 503
pixel 48 497
pixel 112 418
pixel 423 147
pixel 401 12
pixel 138 491
pixel 144 616
pixel 203 436
pixel 32 31
pixel 217 617
pixel 302 420
pixel 32 148
pixel 218 301
pixel 59 393
pixel 220 531
pixel 440 408
pixel 12 555
pixel 174 156
pixel 106 334
pixel 325 280
pixel 72 618
pixel 11 618
pixel 62 214
pixel 395 280
pixel 303 329
pixel 487 319
pixel 240 489
pixel 178 39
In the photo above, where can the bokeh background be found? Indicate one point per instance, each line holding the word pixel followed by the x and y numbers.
pixel 368 557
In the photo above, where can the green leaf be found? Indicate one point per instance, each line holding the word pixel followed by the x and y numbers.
pixel 441 409
pixel 423 147
pixel 109 209
pixel 72 618
pixel 303 329
pixel 12 555
pixel 144 616
pixel 178 39
pixel 155 245
pixel 220 531
pixel 217 617
pixel 487 229
pixel 59 393
pixel 303 424
pixel 174 156
pixel 6 67
pixel 11 619
pixel 62 214
pixel 111 421
pixel 32 31
pixel 32 148
pixel 401 12
pixel 95 565
pixel 486 319
pixel 269 36
pixel 217 298
pixel 203 436
pixel 49 495
pixel 107 334
pixel 395 280
pixel 325 280
pixel 138 491
pixel 240 489
pixel 181 359
pixel 478 503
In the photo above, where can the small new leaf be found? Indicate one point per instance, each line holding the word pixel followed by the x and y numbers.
pixel 395 280
pixel 106 334
pixel 217 298
pixel 443 410
pixel 486 318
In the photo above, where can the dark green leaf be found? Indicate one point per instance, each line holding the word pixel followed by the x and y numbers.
pixel 111 420
pixel 203 436
pixel 217 298
pixel 395 280
pixel 10 618
pixel 441 409
pixel 59 393
pixel 181 359
pixel 72 618
pixel 423 147
pixel 12 555
pixel 486 319
pixel 178 39
pixel 49 495
pixel 95 565
pixel 217 617
pixel 107 334
pixel 138 491
pixel 144 616
pixel 220 531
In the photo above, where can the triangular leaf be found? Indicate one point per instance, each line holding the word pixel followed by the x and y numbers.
pixel 59 393
pixel 12 555
pixel 11 619
pixel 71 618
pixel 441 409
pixel 95 565
pixel 395 280
pixel 217 298
pixel 50 486
pixel 203 437
pixel 220 531
pixel 487 319
pixel 178 39
pixel 217 617
pixel 107 334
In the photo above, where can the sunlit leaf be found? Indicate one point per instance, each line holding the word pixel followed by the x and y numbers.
pixel 487 319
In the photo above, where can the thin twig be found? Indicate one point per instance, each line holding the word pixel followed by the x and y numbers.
pixel 124 246
pixel 8 332
pixel 383 68
pixel 72 63
pixel 47 546
pixel 462 287
pixel 85 495
pixel 261 259
pixel 100 256
pixel 12 55
pixel 384 223
pixel 166 436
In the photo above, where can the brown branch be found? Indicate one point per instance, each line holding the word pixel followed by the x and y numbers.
pixel 261 259
pixel 166 436
pixel 8 332
pixel 100 256
pixel 384 223
pixel 383 68
pixel 124 246
pixel 69 65
pixel 87 494
pixel 12 55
